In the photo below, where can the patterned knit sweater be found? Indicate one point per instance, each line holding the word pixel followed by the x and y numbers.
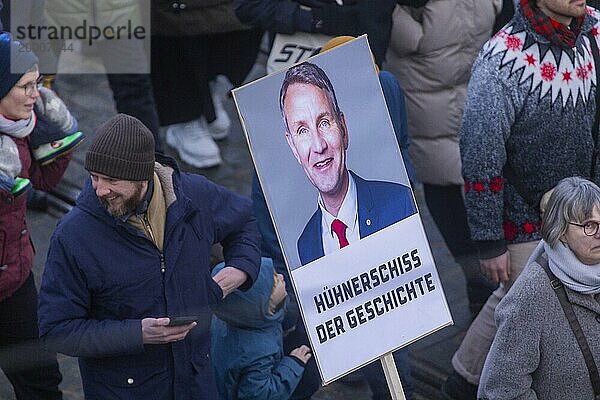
pixel 526 124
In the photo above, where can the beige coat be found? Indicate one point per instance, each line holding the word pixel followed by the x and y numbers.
pixel 95 12
pixel 431 52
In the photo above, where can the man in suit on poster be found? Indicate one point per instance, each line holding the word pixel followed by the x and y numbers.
pixel 349 207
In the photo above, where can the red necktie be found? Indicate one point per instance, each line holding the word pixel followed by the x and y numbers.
pixel 339 228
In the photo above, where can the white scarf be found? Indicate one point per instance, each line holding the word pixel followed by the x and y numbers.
pixel 572 273
pixel 19 128
pixel 10 163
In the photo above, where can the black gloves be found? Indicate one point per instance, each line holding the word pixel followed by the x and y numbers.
pixel 332 19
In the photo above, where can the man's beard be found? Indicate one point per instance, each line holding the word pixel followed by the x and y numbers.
pixel 128 206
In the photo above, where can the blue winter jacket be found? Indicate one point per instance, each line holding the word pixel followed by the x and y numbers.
pixel 247 345
pixel 396 104
pixel 102 276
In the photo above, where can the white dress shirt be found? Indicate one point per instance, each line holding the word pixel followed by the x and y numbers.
pixel 348 214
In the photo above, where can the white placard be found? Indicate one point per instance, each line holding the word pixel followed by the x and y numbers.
pixel 382 291
pixel 288 50
pixel 353 316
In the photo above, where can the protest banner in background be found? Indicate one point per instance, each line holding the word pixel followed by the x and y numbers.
pixel 288 50
pixel 381 291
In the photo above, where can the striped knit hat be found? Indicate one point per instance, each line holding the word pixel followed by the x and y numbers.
pixel 123 148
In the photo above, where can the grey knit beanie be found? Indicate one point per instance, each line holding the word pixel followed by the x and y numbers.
pixel 123 148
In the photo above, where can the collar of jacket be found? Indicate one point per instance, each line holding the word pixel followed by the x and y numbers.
pixel 520 22
pixel 143 206
pixel 152 219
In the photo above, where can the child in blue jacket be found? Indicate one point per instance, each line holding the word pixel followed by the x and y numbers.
pixel 247 341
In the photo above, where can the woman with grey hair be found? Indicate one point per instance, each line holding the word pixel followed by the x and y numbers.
pixel 535 354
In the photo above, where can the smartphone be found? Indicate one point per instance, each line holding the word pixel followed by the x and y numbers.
pixel 176 321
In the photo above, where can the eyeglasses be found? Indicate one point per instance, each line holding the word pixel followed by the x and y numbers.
pixel 29 86
pixel 590 228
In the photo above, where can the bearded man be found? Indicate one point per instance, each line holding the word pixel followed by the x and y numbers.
pixel 132 255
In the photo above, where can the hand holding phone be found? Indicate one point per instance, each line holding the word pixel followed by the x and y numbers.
pixel 166 330
pixel 184 320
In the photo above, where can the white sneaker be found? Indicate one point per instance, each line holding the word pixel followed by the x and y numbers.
pixel 219 128
pixel 194 143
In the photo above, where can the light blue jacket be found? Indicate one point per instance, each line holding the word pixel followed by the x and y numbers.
pixel 247 344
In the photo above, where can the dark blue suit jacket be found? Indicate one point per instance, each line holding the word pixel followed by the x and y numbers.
pixel 380 204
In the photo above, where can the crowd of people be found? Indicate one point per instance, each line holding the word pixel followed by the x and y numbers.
pixel 494 105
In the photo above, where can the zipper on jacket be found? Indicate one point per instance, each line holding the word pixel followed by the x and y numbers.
pixel 148 228
pixel 163 268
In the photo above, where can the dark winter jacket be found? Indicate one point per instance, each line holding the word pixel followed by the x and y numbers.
pixel 373 17
pixel 103 276
pixel 16 249
pixel 194 17
pixel 2 14
pixel 247 347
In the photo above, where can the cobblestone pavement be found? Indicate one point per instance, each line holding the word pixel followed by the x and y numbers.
pixel 89 98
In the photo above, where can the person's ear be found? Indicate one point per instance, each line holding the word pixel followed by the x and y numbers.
pixel 344 130
pixel 290 142
pixel 563 238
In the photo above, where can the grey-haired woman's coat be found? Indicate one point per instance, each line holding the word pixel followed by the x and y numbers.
pixel 535 354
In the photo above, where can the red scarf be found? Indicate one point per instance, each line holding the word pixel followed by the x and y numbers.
pixel 554 31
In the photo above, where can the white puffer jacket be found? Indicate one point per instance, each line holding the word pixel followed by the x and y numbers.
pixel 431 52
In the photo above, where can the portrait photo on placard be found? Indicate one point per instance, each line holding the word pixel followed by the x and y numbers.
pixel 323 145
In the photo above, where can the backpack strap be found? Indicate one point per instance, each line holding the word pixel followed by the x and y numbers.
pixel 567 307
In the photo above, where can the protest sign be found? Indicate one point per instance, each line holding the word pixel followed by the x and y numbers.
pixel 333 177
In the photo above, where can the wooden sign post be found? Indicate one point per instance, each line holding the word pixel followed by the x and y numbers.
pixel 391 376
